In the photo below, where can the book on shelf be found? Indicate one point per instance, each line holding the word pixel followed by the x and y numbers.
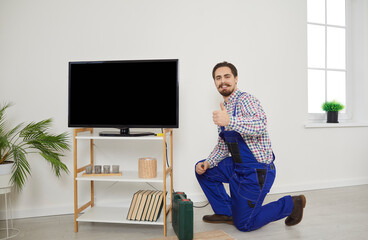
pixel 137 204
pixel 146 205
pixel 142 205
pixel 159 206
pixel 132 204
pixel 152 207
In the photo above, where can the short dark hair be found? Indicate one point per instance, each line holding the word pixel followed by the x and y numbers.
pixel 225 64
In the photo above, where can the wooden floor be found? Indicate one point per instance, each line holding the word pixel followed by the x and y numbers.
pixel 339 213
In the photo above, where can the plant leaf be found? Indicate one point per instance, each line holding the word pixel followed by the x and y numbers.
pixel 21 168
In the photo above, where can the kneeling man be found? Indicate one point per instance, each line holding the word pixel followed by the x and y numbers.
pixel 243 158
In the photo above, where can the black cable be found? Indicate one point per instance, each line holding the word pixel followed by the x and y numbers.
pixel 168 165
pixel 167 159
pixel 151 186
pixel 202 206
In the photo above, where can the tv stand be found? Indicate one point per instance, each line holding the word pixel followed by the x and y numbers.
pixel 125 132
pixel 117 213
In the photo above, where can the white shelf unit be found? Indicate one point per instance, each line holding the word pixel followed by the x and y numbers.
pixel 91 213
pixel 127 176
pixel 113 215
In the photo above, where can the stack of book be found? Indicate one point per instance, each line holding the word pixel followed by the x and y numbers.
pixel 146 205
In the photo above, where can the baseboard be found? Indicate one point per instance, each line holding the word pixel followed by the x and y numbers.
pixel 40 212
pixel 291 188
pixel 278 189
pixel 197 197
pixel 44 212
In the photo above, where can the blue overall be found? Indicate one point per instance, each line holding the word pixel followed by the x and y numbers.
pixel 249 182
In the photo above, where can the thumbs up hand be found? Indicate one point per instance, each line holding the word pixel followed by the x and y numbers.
pixel 221 117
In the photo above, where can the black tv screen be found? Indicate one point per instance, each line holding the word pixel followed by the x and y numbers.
pixel 124 94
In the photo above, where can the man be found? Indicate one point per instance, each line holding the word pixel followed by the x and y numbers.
pixel 243 158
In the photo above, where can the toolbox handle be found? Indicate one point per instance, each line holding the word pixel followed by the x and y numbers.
pixel 179 195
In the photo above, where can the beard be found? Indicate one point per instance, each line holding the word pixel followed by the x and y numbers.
pixel 226 92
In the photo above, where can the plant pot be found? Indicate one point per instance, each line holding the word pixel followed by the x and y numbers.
pixel 5 174
pixel 332 117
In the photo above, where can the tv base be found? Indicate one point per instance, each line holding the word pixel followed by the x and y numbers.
pixel 125 132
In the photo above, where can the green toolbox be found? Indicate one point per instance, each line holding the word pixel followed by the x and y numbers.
pixel 182 216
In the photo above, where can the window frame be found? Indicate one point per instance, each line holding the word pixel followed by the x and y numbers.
pixel 347 114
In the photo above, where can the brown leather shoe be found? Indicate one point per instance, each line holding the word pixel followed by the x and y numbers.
pixel 217 218
pixel 297 213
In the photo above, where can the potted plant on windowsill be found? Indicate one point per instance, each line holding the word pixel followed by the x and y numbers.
pixel 18 142
pixel 332 108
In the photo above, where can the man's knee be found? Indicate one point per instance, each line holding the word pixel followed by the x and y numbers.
pixel 247 226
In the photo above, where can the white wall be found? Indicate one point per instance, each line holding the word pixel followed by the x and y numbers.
pixel 265 39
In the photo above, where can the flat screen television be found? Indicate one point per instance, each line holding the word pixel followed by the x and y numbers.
pixel 124 94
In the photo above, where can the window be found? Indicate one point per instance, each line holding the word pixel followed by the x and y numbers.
pixel 326 26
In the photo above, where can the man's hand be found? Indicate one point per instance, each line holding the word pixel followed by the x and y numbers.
pixel 221 117
pixel 202 167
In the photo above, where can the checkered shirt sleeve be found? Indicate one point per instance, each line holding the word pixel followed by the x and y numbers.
pixel 219 153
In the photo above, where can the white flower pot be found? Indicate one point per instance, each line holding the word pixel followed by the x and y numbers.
pixel 5 174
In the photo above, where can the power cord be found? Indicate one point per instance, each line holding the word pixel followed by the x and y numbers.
pixel 151 186
pixel 202 205
pixel 167 159
pixel 168 165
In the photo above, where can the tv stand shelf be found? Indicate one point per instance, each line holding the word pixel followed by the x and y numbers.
pixel 98 137
pixel 91 213
pixel 113 215
pixel 127 176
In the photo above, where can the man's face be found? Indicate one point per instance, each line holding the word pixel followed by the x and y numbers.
pixel 225 81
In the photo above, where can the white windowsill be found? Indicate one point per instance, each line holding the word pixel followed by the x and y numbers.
pixel 335 125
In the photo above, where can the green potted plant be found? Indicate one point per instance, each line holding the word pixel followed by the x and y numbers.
pixel 332 108
pixel 23 139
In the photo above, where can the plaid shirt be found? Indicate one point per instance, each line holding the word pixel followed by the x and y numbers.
pixel 251 122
